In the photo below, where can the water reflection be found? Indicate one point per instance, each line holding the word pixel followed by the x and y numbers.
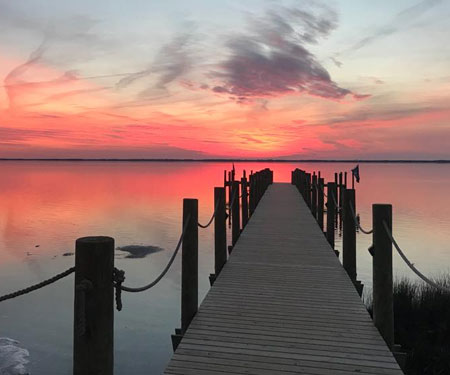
pixel 45 206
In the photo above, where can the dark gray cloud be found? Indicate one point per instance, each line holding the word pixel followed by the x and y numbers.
pixel 272 58
pixel 399 22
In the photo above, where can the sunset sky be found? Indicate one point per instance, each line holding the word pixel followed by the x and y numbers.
pixel 246 79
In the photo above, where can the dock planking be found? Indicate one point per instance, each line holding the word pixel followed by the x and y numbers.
pixel 282 304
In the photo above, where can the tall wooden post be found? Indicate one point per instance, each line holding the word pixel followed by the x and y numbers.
pixel 308 189
pixel 230 193
pixel 383 315
pixel 320 201
pixel 93 336
pixel 235 222
pixel 244 201
pixel 331 209
pixel 339 197
pixel 220 231
pixel 189 264
pixel 314 196
pixel 349 235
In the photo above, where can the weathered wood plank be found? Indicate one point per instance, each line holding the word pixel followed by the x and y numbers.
pixel 282 304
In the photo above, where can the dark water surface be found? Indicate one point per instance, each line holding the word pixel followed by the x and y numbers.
pixel 45 206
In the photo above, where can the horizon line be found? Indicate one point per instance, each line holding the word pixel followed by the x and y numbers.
pixel 236 160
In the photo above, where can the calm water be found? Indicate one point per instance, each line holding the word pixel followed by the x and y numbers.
pixel 45 206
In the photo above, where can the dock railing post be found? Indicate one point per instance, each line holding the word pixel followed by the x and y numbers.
pixel 220 233
pixel 320 201
pixel 251 194
pixel 331 209
pixel 244 202
pixel 383 315
pixel 93 336
pixel 308 189
pixel 349 234
pixel 314 196
pixel 235 221
pixel 189 264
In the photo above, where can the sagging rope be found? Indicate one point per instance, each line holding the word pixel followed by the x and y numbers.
pixel 335 203
pixel 119 275
pixel 357 222
pixel 411 265
pixel 212 218
pixel 40 285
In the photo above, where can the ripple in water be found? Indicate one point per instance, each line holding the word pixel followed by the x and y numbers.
pixel 13 358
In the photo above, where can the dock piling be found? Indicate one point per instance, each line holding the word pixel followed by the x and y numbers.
pixel 383 315
pixel 189 264
pixel 93 336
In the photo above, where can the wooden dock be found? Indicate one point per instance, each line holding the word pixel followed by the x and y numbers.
pixel 282 304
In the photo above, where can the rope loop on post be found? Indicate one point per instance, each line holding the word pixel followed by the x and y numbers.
pixel 118 279
pixel 411 265
pixel 357 224
pixel 164 271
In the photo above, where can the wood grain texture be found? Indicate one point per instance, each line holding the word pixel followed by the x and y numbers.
pixel 282 304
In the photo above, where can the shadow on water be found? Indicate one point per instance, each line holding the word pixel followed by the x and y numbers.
pixel 139 251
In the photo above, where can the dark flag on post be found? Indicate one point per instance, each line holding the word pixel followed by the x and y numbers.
pixel 355 173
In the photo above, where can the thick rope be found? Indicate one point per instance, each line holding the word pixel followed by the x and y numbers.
pixel 357 222
pixel 163 273
pixel 212 218
pixel 37 286
pixel 411 265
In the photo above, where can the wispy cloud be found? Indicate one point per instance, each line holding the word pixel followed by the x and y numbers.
pixel 172 61
pixel 398 23
pixel 272 58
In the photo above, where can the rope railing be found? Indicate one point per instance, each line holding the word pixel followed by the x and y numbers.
pixel 335 203
pixel 358 225
pixel 120 275
pixel 210 220
pixel 411 265
pixel 40 285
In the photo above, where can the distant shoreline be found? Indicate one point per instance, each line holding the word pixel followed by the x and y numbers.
pixel 233 160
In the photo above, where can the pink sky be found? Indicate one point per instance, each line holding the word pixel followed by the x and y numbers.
pixel 297 80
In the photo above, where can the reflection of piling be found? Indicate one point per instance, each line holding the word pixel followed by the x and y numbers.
pixel 93 338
